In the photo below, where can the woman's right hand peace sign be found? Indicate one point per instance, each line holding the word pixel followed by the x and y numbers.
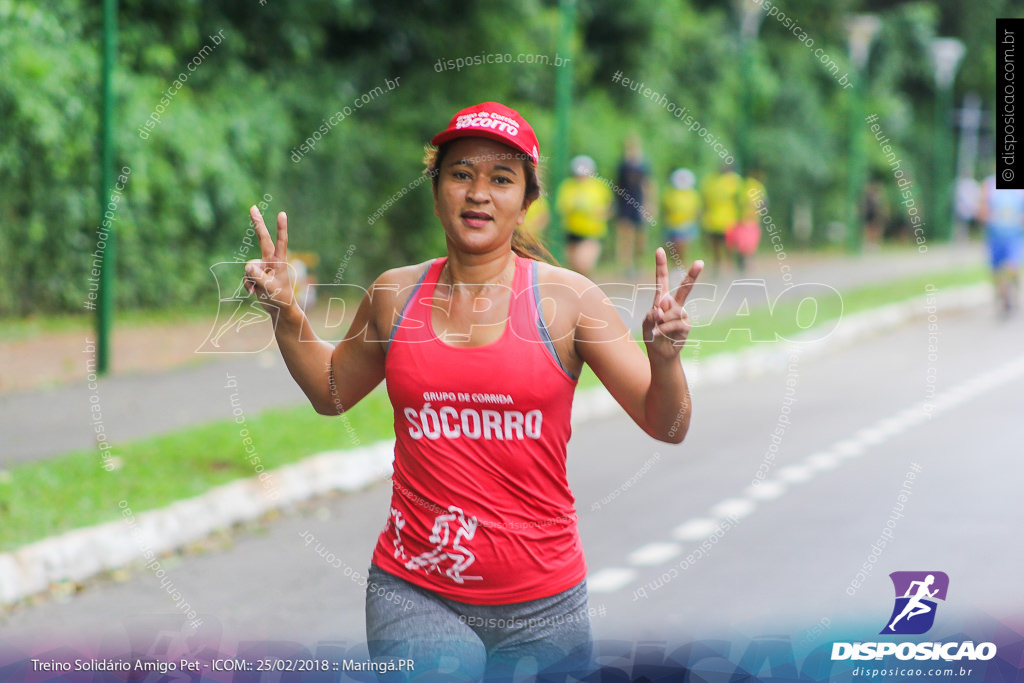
pixel 667 325
pixel 268 277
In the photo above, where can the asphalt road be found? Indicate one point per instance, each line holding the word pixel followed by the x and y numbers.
pixel 857 427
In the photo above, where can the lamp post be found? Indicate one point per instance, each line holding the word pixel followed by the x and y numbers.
pixel 563 108
pixel 750 17
pixel 969 119
pixel 861 30
pixel 105 308
pixel 946 54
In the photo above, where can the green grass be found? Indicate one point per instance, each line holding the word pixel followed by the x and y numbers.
pixel 42 499
pixel 63 493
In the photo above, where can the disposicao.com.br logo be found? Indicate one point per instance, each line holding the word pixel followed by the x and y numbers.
pixel 916 593
pixel 913 613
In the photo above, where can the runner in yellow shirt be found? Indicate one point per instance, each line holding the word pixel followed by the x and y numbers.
pixel 537 217
pixel 744 237
pixel 584 204
pixel 722 202
pixel 681 207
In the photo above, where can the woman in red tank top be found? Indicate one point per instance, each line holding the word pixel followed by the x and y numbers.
pixel 481 350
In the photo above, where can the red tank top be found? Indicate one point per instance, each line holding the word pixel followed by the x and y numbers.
pixel 481 510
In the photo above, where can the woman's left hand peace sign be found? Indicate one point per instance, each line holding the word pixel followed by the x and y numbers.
pixel 666 326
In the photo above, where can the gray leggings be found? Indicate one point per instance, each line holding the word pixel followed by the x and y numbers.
pixel 450 640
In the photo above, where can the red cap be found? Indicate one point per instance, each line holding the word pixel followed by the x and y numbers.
pixel 495 121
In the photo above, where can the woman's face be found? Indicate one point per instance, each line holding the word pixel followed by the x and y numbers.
pixel 480 194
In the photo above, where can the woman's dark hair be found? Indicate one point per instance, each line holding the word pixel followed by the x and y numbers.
pixel 524 244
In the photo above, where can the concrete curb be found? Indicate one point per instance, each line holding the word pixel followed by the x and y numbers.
pixel 83 553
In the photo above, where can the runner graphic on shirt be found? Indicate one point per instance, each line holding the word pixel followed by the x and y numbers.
pixel 399 525
pixel 461 557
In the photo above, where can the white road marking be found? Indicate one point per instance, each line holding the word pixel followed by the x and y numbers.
pixel 695 529
pixel 849 448
pixel 891 425
pixel 873 436
pixel 734 507
pixel 795 474
pixel 610 579
pixel 654 553
pixel 766 490
pixel 823 461
pixel 911 417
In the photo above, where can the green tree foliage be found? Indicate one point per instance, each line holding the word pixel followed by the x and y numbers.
pixel 285 74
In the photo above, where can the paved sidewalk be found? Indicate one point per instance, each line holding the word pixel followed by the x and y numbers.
pixel 42 423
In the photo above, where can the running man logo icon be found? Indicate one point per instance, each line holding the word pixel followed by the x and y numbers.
pixel 916 593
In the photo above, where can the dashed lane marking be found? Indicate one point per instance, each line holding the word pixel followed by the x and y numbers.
pixel 613 578
pixel 654 553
